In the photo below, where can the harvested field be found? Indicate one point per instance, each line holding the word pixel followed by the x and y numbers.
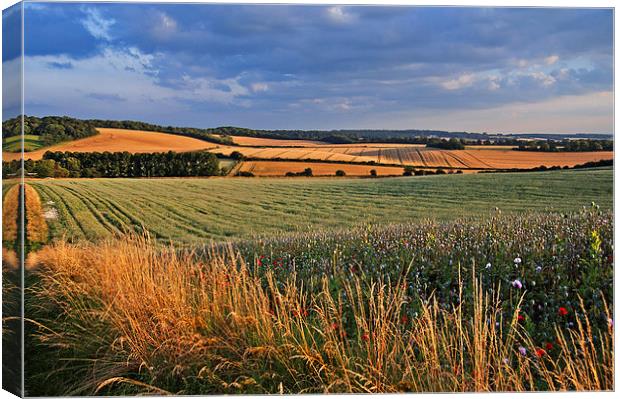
pixel 10 209
pixel 474 157
pixel 261 142
pixel 134 141
pixel 527 159
pixel 36 226
pixel 489 147
pixel 419 156
pixel 318 153
pixel 275 168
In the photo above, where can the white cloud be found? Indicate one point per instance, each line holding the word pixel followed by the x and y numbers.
pixel 168 22
pixel 465 80
pixel 128 75
pixel 259 86
pixel 97 25
pixel 552 59
pixel 543 78
pixel 163 26
pixel 494 83
pixel 522 63
pixel 338 14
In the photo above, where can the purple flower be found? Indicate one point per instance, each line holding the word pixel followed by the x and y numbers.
pixel 517 284
pixel 522 351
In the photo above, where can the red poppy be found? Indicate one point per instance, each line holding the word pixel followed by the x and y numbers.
pixel 540 352
pixel 404 319
pixel 335 325
pixel 365 337
pixel 520 318
pixel 562 311
pixel 549 346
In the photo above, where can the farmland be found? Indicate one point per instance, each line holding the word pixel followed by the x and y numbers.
pixel 299 284
pixel 194 210
pixel 112 140
pixel 261 142
pixel 273 168
pixel 13 144
pixel 386 154
pixel 498 158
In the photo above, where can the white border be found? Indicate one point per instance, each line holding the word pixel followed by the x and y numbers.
pixel 477 3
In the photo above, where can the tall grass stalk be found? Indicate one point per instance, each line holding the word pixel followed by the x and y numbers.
pixel 127 316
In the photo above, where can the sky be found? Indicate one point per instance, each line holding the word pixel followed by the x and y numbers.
pixel 496 70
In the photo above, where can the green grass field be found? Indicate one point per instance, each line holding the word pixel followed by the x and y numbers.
pixel 31 143
pixel 191 210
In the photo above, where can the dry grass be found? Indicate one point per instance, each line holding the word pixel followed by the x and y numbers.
pixel 10 210
pixel 125 308
pixel 134 141
pixel 10 261
pixel 36 226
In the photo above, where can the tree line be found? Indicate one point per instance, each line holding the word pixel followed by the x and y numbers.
pixel 50 129
pixel 117 164
pixel 566 145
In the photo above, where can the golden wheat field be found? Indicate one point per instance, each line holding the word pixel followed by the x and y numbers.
pixel 10 209
pixel 424 157
pixel 262 142
pixel 36 229
pixel 275 168
pixel 473 157
pixel 112 140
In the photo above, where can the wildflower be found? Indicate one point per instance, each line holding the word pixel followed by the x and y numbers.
pixel 506 361
pixel 610 322
pixel 562 311
pixel 538 269
pixel 365 337
pixel 335 325
pixel 404 319
pixel 517 260
pixel 517 284
pixel 549 346
pixel 488 266
pixel 540 352
pixel 520 318
pixel 522 351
